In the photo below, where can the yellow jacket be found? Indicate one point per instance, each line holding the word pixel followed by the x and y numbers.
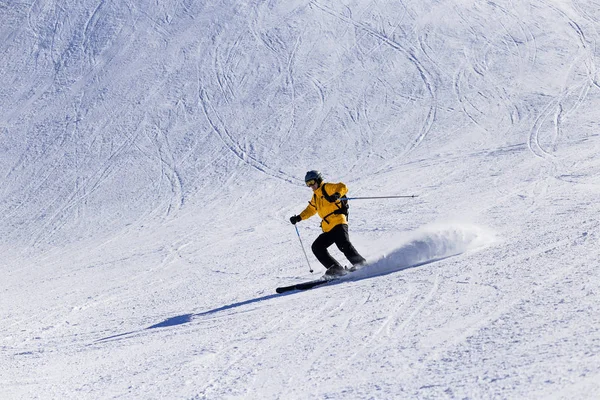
pixel 318 204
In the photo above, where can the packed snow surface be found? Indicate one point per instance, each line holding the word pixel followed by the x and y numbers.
pixel 153 152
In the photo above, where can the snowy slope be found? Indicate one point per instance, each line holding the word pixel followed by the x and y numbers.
pixel 153 152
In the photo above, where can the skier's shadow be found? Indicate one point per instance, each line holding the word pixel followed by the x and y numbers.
pixel 187 318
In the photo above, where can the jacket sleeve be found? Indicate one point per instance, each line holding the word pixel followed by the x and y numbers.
pixel 309 211
pixel 337 188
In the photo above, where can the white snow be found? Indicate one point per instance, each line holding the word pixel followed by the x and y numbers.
pixel 153 152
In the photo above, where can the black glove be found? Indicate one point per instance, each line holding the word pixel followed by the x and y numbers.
pixel 294 219
pixel 333 198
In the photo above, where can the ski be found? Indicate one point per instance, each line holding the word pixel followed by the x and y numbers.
pixel 303 285
pixel 318 282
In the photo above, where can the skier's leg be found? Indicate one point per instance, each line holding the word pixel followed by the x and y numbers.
pixel 319 248
pixel 342 241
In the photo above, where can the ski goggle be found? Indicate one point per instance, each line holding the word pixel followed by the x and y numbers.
pixel 311 182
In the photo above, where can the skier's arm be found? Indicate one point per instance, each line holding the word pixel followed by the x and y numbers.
pixel 309 211
pixel 340 188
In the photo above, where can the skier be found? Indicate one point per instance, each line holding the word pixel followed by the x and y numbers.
pixel 333 211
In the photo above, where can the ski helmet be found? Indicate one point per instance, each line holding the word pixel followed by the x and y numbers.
pixel 314 175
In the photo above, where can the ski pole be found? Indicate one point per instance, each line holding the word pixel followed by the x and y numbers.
pixel 380 197
pixel 304 251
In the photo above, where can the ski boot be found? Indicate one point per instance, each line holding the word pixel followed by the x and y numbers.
pixel 335 271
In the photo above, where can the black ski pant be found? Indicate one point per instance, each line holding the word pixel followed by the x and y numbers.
pixel 339 236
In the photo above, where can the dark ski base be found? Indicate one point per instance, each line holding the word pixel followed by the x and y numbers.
pixel 317 282
pixel 303 286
